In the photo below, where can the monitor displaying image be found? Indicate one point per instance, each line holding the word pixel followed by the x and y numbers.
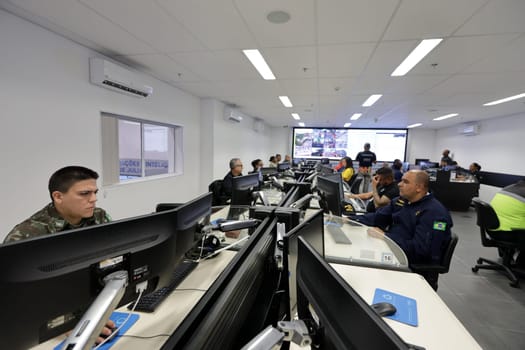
pixel 335 143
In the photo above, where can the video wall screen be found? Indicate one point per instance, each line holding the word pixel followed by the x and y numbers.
pixel 335 143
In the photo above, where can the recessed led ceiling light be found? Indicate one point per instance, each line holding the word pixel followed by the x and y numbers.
pixel 286 101
pixel 259 63
pixel 356 116
pixel 278 17
pixel 296 116
pixel 301 124
pixel 424 47
pixel 446 116
pixel 506 99
pixel 414 125
pixel 371 100
pixel 347 125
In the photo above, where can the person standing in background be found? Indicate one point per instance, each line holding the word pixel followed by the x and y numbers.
pixel 445 159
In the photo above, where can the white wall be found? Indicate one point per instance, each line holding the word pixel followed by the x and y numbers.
pixel 420 144
pixel 50 117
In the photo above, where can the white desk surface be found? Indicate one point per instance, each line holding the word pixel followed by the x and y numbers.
pixel 171 312
pixel 438 327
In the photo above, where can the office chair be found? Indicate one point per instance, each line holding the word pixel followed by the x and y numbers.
pixel 216 189
pixel 431 271
pixel 352 179
pixel 355 185
pixel 507 242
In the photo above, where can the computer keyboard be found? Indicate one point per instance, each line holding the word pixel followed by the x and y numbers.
pixel 337 234
pixel 149 302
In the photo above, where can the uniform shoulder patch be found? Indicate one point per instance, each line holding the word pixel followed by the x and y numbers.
pixel 439 225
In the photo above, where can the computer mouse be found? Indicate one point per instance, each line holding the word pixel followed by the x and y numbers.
pixel 384 309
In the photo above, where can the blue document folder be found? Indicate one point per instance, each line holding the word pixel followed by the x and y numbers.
pixel 118 318
pixel 406 307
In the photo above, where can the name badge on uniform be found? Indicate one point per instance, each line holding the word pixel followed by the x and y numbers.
pixel 439 226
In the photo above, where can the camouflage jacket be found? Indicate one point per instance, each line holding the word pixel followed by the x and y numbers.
pixel 48 220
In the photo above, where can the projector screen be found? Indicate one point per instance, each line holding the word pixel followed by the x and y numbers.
pixel 335 143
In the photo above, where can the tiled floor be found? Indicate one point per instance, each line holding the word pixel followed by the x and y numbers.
pixel 484 302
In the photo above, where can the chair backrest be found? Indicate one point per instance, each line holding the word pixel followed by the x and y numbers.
pixel 486 216
pixel 447 256
pixel 486 220
pixel 355 185
pixel 352 178
pixel 216 189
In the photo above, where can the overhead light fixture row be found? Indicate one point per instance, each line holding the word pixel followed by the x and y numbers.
pixel 259 63
pixel 286 101
pixel 503 100
pixel 356 116
pixel 296 116
pixel 301 124
pixel 423 49
pixel 414 125
pixel 347 125
pixel 371 100
pixel 446 116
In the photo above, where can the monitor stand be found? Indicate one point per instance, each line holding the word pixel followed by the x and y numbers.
pixel 88 328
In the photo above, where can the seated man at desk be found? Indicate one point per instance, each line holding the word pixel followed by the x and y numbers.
pixel 73 191
pixel 227 182
pixel 416 221
pixel 384 189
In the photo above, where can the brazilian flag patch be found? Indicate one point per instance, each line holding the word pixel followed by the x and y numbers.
pixel 439 225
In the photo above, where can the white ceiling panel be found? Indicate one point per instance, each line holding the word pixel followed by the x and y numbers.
pixel 455 54
pixel 329 58
pixel 342 61
pixel 84 22
pixel 147 21
pixel 216 23
pixel 218 65
pixel 507 59
pixel 292 62
pixel 425 19
pixel 299 87
pixel 298 31
pixel 498 16
pixel 347 21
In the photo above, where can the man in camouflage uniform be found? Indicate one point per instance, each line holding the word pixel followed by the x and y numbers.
pixel 73 192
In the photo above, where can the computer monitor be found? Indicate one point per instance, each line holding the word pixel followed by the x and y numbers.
pixel 242 189
pixel 236 306
pixel 325 170
pixel 419 160
pixel 269 171
pixel 424 165
pixel 345 320
pixel 332 194
pixel 311 229
pixel 48 282
pixel 405 167
pixel 283 166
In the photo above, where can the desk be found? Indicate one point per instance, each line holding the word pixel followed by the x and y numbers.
pixel 171 312
pixel 438 327
pixel 364 250
pixel 455 194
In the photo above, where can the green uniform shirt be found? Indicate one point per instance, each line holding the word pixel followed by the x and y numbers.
pixel 48 220
pixel 509 205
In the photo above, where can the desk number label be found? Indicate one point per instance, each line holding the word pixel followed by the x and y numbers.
pixel 387 258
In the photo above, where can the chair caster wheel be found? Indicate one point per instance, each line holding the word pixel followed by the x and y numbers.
pixel 475 269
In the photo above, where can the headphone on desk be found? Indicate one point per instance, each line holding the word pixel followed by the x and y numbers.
pixel 204 247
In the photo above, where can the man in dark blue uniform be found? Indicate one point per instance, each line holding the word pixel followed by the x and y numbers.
pixel 366 157
pixel 416 221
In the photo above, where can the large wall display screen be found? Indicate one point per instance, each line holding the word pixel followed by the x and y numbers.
pixel 335 143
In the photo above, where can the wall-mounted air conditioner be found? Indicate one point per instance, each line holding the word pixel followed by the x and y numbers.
pixel 117 78
pixel 232 115
pixel 470 129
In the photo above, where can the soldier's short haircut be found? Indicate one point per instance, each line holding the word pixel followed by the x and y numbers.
pixel 422 178
pixel 64 178
pixel 233 161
